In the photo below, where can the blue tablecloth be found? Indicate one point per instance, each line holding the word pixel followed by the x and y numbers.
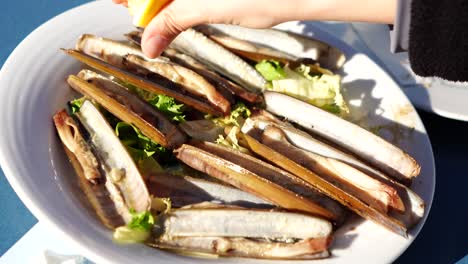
pixel 444 238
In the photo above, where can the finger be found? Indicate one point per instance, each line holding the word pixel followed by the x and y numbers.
pixel 123 2
pixel 169 23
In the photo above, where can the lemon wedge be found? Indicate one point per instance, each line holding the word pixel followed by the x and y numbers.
pixel 144 10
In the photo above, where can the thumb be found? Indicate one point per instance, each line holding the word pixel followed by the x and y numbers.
pixel 165 27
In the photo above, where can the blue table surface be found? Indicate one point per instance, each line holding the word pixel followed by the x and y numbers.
pixel 444 238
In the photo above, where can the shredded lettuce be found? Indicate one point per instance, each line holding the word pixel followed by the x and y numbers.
pixel 137 230
pixel 138 145
pixel 75 105
pixel 270 70
pixel 239 113
pixel 169 107
pixel 163 103
pixel 142 220
pixel 231 140
pixel 306 84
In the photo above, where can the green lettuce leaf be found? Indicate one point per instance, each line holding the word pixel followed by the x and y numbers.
pixel 303 83
pixel 75 105
pixel 231 140
pixel 239 113
pixel 270 70
pixel 169 107
pixel 163 103
pixel 138 230
pixel 138 145
pixel 142 220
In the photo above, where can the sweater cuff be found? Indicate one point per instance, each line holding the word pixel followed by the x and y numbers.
pixel 400 34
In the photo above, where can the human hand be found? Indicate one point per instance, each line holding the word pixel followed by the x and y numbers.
pixel 121 2
pixel 180 15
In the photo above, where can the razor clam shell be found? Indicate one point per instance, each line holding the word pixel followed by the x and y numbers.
pixel 217 80
pixel 248 181
pixel 246 248
pixel 72 139
pixel 109 52
pixel 277 176
pixel 368 146
pixel 226 87
pixel 282 42
pixel 172 135
pixel 115 158
pixel 325 187
pixel 213 55
pixel 413 203
pixel 373 192
pixel 185 190
pixel 110 209
pixel 243 223
pixel 190 80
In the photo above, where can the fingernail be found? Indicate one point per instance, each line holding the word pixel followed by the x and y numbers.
pixel 154 46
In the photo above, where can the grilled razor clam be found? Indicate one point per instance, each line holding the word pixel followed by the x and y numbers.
pixel 277 176
pixel 118 165
pixel 371 191
pixel 108 204
pixel 219 59
pixel 414 205
pixel 184 190
pixel 226 87
pixel 116 53
pixel 211 76
pixel 190 80
pixel 185 60
pixel 307 249
pixel 276 43
pixel 109 50
pixel 128 107
pixel 243 223
pixel 248 181
pixel 73 141
pixel 368 146
pixel 324 186
pixel 154 83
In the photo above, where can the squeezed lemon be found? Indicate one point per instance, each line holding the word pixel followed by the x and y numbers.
pixel 144 10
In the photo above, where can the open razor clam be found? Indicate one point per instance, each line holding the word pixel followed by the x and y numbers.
pixel 128 107
pixel 390 159
pixel 120 189
pixel 214 56
pixel 251 186
pixel 257 44
pixel 116 186
pixel 214 78
pixel 414 205
pixel 236 233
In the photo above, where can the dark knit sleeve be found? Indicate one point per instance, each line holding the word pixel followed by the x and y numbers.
pixel 438 39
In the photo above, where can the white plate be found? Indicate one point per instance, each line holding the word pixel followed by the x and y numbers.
pixel 33 88
pixel 435 95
